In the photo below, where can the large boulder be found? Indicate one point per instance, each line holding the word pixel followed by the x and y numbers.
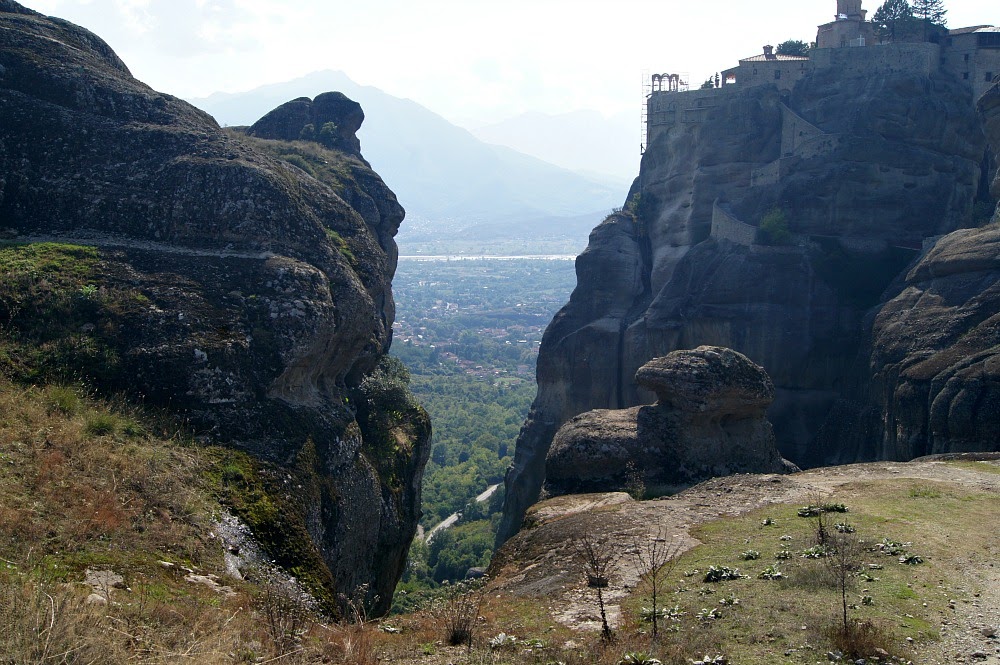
pixel 709 421
pixel 247 295
pixel 306 118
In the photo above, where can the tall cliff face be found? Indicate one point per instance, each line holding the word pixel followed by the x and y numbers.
pixel 248 294
pixel 861 169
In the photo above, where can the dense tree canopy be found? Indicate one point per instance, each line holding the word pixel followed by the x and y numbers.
pixel 793 47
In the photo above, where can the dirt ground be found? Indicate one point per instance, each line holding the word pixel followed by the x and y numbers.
pixel 537 563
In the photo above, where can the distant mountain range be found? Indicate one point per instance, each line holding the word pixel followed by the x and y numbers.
pixel 441 173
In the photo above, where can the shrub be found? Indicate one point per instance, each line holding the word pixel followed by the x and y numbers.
pixel 860 640
pixel 774 229
pixel 459 612
pixel 328 134
pixel 101 424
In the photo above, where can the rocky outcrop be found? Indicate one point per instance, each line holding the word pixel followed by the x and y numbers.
pixel 862 169
pixel 936 351
pixel 248 295
pixel 306 118
pixel 709 420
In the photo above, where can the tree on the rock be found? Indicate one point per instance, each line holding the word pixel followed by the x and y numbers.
pixel 893 20
pixel 931 13
pixel 328 134
pixel 793 47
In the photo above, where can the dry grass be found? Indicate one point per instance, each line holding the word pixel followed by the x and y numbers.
pixel 84 485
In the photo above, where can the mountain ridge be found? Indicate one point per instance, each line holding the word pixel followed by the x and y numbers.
pixel 437 169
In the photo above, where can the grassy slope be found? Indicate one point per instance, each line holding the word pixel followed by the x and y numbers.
pixel 88 485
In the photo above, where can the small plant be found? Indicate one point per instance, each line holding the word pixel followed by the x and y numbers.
pixel 638 658
pixel 911 560
pixel 771 573
pixel 503 641
pixel 817 510
pixel 782 555
pixel 924 493
pixel 891 547
pixel 786 538
pixel 599 562
pixel 460 611
pixel 722 573
pixel 64 399
pixel 767 521
pixel 751 555
pixel 711 660
pixel 868 601
pixel 708 615
pixel 88 291
pixel 844 527
pixel 816 552
pixel 729 600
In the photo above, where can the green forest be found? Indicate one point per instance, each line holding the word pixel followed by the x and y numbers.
pixel 469 332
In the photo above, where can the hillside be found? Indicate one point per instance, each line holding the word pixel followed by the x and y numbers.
pixel 120 543
pixel 91 492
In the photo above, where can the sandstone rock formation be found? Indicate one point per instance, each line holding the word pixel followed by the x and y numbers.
pixel 709 420
pixel 862 168
pixel 247 294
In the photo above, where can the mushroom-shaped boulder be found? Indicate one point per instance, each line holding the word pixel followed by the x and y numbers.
pixel 709 421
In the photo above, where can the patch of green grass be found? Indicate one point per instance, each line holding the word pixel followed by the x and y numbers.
pixel 342 247
pixel 945 532
pixel 924 492
pixel 979 467
pixel 59 321
pixel 101 424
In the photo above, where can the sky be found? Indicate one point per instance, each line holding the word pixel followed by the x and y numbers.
pixel 472 61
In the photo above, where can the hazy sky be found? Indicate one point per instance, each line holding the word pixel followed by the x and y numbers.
pixel 471 61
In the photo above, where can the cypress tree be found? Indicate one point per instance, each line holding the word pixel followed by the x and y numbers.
pixel 931 13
